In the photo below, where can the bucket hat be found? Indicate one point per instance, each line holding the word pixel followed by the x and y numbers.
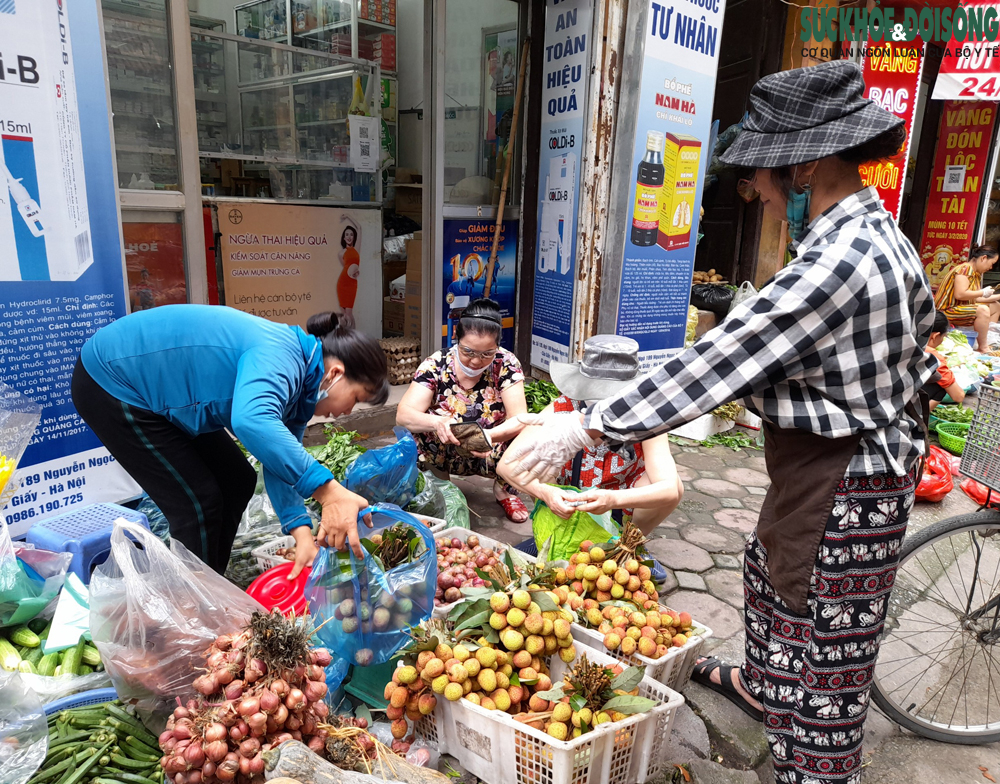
pixel 610 363
pixel 807 114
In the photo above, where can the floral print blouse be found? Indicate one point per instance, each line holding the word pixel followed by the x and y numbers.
pixel 480 404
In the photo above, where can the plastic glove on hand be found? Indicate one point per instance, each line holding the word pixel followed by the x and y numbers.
pixel 542 456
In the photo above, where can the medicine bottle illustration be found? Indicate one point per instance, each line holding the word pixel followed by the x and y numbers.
pixel 649 185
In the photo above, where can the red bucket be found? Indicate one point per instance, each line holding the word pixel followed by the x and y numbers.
pixel 274 590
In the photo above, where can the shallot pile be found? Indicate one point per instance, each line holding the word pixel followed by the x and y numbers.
pixel 261 687
pixel 457 564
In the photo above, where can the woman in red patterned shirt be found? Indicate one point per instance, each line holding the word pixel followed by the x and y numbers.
pixel 641 479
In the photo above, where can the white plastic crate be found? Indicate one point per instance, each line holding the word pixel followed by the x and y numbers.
pixel 673 669
pixel 500 750
pixel 485 541
pixel 266 558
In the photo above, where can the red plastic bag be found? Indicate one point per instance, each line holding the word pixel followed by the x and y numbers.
pixel 936 482
pixel 978 492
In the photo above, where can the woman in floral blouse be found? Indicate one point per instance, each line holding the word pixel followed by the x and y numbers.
pixel 475 381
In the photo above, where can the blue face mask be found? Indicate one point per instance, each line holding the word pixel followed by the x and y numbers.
pixel 797 210
pixel 325 393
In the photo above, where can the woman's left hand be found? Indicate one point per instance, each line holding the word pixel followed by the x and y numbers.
pixel 305 550
pixel 597 501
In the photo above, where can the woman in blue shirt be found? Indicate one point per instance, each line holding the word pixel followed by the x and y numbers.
pixel 161 387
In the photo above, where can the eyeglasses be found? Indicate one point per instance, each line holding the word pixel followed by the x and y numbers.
pixel 468 353
pixel 747 189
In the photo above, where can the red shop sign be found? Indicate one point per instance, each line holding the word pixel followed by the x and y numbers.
pixel 963 150
pixel 892 78
pixel 970 69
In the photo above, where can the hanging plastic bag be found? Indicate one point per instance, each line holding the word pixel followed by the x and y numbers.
pixel 30 579
pixel 456 512
pixel 979 493
pixel 936 481
pixel 567 535
pixel 429 501
pixel 24 733
pixel 743 293
pixel 388 474
pixel 153 612
pixel 372 608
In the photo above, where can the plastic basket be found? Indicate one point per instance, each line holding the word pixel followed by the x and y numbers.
pixel 92 697
pixel 441 611
pixel 266 554
pixel 981 456
pixel 952 436
pixel 500 750
pixel 673 669
pixel 368 683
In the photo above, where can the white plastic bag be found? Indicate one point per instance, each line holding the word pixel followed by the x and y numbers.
pixel 24 734
pixel 743 293
pixel 153 612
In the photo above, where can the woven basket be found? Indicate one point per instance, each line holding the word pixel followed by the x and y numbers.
pixel 952 436
pixel 403 356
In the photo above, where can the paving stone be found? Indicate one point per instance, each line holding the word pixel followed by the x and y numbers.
pixel 679 517
pixel 698 459
pixel 912 759
pixel 756 461
pixel 698 502
pixel 724 621
pixel 741 520
pixel 680 555
pixel 669 585
pixel 719 488
pixel 726 561
pixel 747 477
pixel 754 502
pixel 730 503
pixel 689 581
pixel 688 738
pixel 726 584
pixel 709 474
pixel 735 736
pixel 705 771
pixel 686 474
pixel 713 538
pixel 757 490
pixel 666 526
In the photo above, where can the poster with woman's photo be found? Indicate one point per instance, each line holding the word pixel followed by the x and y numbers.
pixel 285 262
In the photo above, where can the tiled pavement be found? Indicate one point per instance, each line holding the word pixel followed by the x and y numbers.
pixel 701 545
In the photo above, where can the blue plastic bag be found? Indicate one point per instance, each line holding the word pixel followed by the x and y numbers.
pixel 372 609
pixel 386 475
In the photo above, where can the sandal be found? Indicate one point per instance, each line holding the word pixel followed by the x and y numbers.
pixel 703 674
pixel 512 505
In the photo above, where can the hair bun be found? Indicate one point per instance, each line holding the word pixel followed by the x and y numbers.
pixel 322 324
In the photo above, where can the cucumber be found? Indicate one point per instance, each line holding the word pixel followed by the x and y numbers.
pixel 22 635
pixel 9 657
pixel 26 667
pixel 34 656
pixel 91 656
pixel 71 660
pixel 48 664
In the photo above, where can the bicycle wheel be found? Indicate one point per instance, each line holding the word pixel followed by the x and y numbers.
pixel 938 671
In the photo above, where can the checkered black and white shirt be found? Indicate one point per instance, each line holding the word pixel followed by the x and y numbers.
pixel 833 344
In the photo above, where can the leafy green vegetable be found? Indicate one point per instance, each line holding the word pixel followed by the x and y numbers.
pixel 539 394
pixel 954 413
pixel 734 439
pixel 339 451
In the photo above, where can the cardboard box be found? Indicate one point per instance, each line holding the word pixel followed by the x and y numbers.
pixel 393 317
pixel 391 270
pixel 410 200
pixel 414 264
pixel 681 159
pixel 411 317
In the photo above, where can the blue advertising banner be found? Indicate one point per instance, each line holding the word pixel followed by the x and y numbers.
pixel 60 243
pixel 565 76
pixel 467 245
pixel 673 126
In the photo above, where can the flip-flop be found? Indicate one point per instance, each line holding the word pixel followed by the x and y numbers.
pixel 703 674
pixel 512 504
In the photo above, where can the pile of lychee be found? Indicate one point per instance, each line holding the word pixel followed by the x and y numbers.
pixel 650 634
pixel 385 612
pixel 457 564
pixel 522 625
pixel 592 573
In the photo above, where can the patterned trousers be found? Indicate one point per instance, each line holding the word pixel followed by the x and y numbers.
pixel 813 673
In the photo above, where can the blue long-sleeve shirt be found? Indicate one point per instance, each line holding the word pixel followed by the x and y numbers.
pixel 207 368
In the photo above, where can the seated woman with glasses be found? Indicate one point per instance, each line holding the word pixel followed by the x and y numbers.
pixel 474 381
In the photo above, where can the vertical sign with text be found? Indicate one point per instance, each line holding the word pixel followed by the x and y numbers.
pixel 892 78
pixel 60 245
pixel 963 150
pixel 565 75
pixel 673 125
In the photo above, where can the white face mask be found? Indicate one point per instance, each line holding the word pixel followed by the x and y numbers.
pixel 325 393
pixel 470 372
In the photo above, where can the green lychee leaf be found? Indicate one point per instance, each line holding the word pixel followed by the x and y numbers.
pixel 491 634
pixel 544 601
pixel 474 620
pixel 629 705
pixel 476 593
pixel 514 679
pixel 545 550
pixel 554 694
pixel 629 678
pixel 578 702
pixel 509 561
pixel 362 712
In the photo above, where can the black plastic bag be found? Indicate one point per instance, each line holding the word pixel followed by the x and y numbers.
pixel 712 297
